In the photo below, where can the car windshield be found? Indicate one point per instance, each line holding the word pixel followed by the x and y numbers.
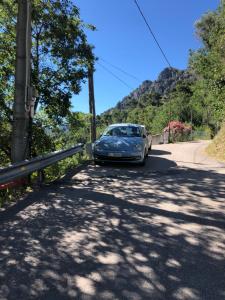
pixel 124 131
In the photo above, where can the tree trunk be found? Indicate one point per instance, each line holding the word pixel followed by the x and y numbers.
pixel 22 83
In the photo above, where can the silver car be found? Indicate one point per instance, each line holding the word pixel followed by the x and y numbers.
pixel 122 143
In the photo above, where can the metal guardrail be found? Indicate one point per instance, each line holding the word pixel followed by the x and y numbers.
pixel 160 138
pixel 27 167
pixel 156 139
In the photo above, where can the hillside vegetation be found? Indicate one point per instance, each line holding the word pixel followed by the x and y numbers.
pixel 217 148
pixel 154 103
pixel 194 96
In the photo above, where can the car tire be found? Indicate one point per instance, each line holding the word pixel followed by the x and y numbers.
pixel 142 163
pixel 97 163
pixel 146 153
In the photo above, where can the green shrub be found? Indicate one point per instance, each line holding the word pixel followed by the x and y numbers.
pixel 216 148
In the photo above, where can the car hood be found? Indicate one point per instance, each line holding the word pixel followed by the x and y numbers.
pixel 113 143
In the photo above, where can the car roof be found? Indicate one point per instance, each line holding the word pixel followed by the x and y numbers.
pixel 125 124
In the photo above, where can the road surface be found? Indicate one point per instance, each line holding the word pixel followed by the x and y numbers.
pixel 121 232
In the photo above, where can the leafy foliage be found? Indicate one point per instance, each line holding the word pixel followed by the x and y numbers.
pixel 209 64
pixel 60 54
pixel 217 147
pixel 60 59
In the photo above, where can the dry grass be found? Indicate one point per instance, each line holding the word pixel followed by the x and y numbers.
pixel 216 149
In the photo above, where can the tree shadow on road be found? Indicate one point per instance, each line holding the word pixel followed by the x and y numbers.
pixel 159 152
pixel 135 235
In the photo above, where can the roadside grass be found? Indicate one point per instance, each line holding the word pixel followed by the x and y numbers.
pixel 216 148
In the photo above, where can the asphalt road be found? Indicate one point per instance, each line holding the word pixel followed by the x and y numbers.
pixel 121 232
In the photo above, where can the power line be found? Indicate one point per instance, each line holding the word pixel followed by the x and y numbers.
pixel 106 69
pixel 121 70
pixel 152 33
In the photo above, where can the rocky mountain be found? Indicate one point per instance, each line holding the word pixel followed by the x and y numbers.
pixel 165 83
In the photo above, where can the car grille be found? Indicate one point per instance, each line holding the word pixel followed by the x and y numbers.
pixel 123 158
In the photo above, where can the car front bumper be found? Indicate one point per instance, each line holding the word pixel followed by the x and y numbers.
pixel 118 156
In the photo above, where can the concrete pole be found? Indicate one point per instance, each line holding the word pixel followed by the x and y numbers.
pixel 22 82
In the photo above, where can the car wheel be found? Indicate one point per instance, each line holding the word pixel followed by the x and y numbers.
pixel 146 153
pixel 142 163
pixel 97 163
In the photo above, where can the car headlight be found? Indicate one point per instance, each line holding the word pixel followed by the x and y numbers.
pixel 138 147
pixel 97 147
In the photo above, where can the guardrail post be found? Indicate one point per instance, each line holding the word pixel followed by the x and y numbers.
pixel 41 177
pixel 89 150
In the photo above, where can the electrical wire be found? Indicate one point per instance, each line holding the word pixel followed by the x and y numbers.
pixel 106 69
pixel 119 69
pixel 152 33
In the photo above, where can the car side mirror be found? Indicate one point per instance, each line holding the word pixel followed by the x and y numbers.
pixel 144 136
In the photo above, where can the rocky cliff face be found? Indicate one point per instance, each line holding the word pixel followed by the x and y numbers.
pixel 165 83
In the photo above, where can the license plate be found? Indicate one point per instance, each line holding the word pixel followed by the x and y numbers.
pixel 115 154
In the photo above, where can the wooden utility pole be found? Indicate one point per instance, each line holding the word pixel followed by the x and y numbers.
pixel 22 82
pixel 92 103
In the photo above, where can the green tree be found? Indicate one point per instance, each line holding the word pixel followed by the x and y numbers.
pixel 60 59
pixel 209 62
pixel 60 54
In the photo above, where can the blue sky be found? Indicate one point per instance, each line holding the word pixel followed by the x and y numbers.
pixel 123 40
